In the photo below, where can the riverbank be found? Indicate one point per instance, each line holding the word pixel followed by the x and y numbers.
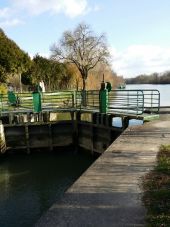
pixel 109 192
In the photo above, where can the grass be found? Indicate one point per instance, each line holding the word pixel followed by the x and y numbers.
pixel 156 186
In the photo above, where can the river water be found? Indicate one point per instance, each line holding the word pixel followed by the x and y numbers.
pixel 30 184
pixel 163 89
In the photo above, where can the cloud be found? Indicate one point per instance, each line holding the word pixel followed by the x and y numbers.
pixel 10 23
pixel 5 12
pixel 139 59
pixel 8 19
pixel 18 10
pixel 71 8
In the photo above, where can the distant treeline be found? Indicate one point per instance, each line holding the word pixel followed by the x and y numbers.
pixel 155 78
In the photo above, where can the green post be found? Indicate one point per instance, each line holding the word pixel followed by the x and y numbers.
pixel 37 102
pixel 103 98
pixel 12 98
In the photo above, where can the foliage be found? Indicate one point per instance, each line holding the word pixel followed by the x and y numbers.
pixel 3 89
pixel 55 75
pixel 75 76
pixel 155 78
pixel 96 76
pixel 81 48
pixel 26 77
pixel 156 186
pixel 12 59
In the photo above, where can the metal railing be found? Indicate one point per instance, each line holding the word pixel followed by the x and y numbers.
pixel 119 101
pixel 50 100
pixel 88 99
pixel 151 100
pixel 126 101
pixel 123 101
pixel 53 100
pixel 24 101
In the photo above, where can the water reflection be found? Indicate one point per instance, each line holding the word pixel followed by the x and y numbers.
pixel 117 122
pixel 135 122
pixel 31 183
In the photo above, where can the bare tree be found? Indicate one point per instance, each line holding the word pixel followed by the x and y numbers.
pixel 82 48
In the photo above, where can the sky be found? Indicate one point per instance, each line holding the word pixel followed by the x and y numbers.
pixel 137 31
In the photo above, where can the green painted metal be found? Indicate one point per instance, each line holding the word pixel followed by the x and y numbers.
pixel 37 102
pixel 150 117
pixel 103 98
pixel 108 86
pixel 103 95
pixel 12 98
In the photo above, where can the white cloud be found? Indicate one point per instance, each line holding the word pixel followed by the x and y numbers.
pixel 22 8
pixel 71 8
pixel 97 8
pixel 10 23
pixel 8 18
pixel 5 12
pixel 138 59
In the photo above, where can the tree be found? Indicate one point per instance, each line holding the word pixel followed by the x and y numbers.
pixel 50 71
pixel 26 77
pixel 54 74
pixel 12 59
pixel 82 48
pixel 154 78
pixel 75 76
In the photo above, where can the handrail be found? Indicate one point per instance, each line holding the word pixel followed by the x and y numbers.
pixel 151 100
pixel 122 101
pixel 53 100
pixel 126 101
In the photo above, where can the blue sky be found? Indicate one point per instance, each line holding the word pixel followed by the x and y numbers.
pixel 138 31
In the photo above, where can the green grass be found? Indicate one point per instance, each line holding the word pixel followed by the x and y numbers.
pixel 156 186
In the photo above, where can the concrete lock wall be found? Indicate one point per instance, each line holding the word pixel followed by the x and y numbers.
pixel 94 135
pixel 37 136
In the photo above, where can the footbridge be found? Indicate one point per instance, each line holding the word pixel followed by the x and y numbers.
pixel 64 118
pixel 136 103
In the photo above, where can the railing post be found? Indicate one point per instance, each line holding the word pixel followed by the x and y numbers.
pixel 74 100
pixel 37 102
pixel 84 97
pixel 103 98
pixel 151 101
pixel 158 101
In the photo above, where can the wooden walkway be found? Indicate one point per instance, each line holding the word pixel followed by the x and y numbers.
pixel 108 193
